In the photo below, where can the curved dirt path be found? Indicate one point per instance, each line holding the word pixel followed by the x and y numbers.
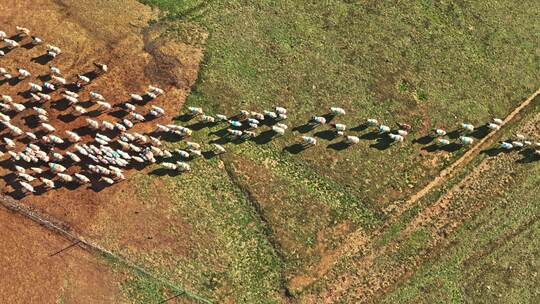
pixel 358 240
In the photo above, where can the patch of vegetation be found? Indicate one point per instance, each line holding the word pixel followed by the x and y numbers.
pixel 461 61
pixel 493 257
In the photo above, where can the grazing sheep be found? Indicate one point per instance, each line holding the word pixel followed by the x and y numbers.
pixel 40 110
pixel 11 43
pixel 219 148
pixel 465 140
pixel 506 145
pixel 9 143
pixel 182 166
pixel 48 127
pixel 467 127
pixel 351 140
pixel 318 120
pixel 36 170
pixel 65 177
pixel 54 70
pixel 439 132
pixel 498 121
pixel 48 183
pixel 232 132
pixel 23 73
pixel 396 137
pixel 137 117
pixel 193 146
pixel 157 111
pixel 278 130
pixel 104 105
pixel 53 50
pixel 27 187
pixel 127 123
pixel 102 68
pixel 402 133
pixel 310 141
pixel 518 144
pixel 18 107
pixel 96 96
pixel 22 31
pixel 80 110
pixel 207 119
pixel 35 88
pixel 222 117
pixel 81 178
pixel 136 97
pixel 83 79
pixel 162 128
pixel 384 129
pixel 372 122
pixel 57 168
pixel 337 111
pixel 235 123
pixel 272 115
pixel 182 153
pixel 92 123
pixel 36 40
pixel 521 137
pixel 49 86
pixel 493 126
pixel 31 135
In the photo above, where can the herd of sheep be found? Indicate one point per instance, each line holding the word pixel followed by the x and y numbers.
pixel 41 157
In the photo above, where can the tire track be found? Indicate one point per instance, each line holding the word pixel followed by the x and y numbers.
pixel 470 194
pixel 358 241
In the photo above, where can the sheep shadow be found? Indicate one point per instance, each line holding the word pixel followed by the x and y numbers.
pixel 382 143
pixel 31 121
pixel 295 148
pixel 264 137
pixel 17 37
pixel 67 118
pixel 492 152
pixel 42 59
pixel 60 104
pixel 44 77
pixel 6 50
pixel 373 135
pixel 424 140
pixel 342 145
pixel 480 132
pixel 326 134
pixel 198 126
pixel 361 127
pixel 307 127
pixel 164 172
pixel 25 94
pixel 28 46
pixel 184 117
pixel 329 117
pixel 209 154
pixel 528 157
pixel 83 130
pixel 14 81
pixel 120 114
pixel 219 133
pixel 454 134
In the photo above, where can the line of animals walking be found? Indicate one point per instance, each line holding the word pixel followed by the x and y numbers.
pixel 43 159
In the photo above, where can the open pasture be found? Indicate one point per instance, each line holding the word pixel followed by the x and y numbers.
pixel 259 223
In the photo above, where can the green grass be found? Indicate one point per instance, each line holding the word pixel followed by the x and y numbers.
pixel 493 257
pixel 428 63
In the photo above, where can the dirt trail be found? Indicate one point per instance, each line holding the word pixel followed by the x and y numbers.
pixel 440 219
pixel 358 241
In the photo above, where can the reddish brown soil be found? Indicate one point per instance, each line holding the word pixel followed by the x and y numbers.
pixel 31 275
pixel 116 33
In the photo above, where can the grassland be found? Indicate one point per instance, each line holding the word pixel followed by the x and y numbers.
pixel 260 215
